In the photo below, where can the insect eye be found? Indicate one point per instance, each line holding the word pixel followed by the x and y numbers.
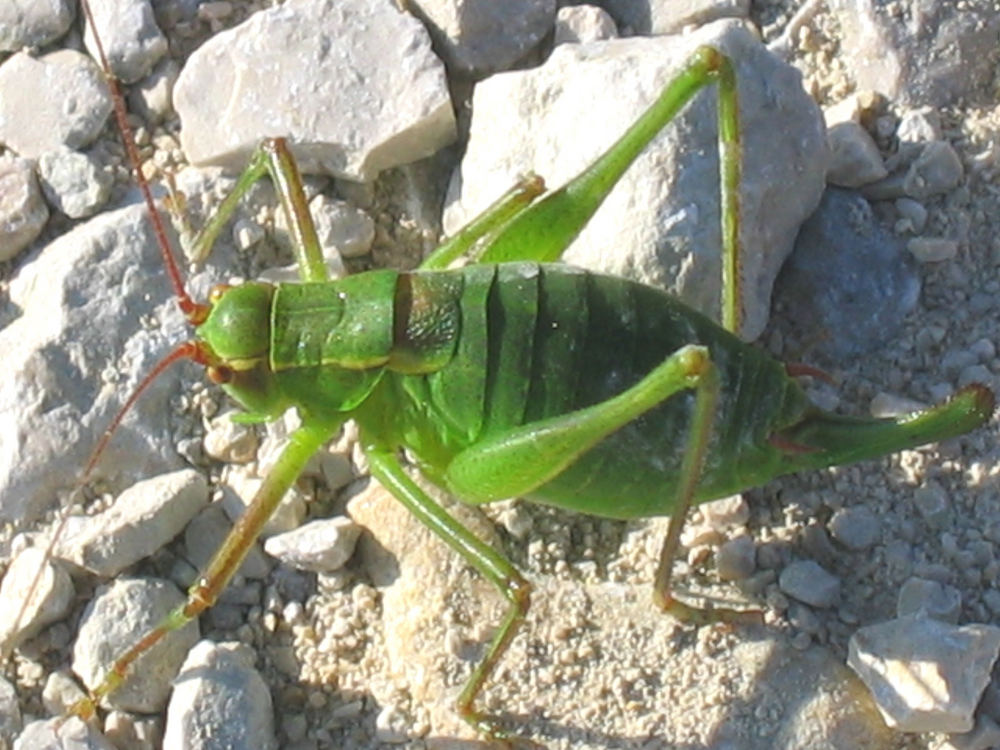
pixel 217 291
pixel 220 375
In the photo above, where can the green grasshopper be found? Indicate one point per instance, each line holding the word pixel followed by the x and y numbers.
pixel 499 378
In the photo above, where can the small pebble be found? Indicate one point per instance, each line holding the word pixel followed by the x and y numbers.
pixel 23 212
pixel 230 441
pixel 803 618
pixel 49 602
pixel 806 581
pixel 132 731
pixel 59 733
pixel 726 512
pixel 60 692
pixel 73 182
pixel 857 528
pixel 914 212
pixel 321 546
pixel 932 249
pixel 937 170
pixel 855 159
pixel 919 126
pixel 583 23
pixel 885 405
pixel 142 519
pixel 736 558
pixel 919 596
pixel 342 229
pixel 10 713
pixel 975 374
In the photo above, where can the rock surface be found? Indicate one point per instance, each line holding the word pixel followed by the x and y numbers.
pixel 352 84
pixel 375 652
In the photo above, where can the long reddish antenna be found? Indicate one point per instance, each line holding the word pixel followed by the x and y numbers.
pixel 195 312
pixel 188 350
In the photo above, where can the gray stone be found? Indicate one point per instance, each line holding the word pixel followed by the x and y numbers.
pixel 849 283
pixel 33 23
pixel 23 212
pixel 50 600
pixel 152 97
pixel 932 249
pixel 913 212
pixel 337 470
pixel 932 503
pixel 857 527
pixel 854 157
pixel 142 520
pixel 736 559
pixel 918 596
pixel 127 730
pixel 61 734
pixel 925 675
pixel 132 41
pixel 924 53
pixel 220 701
pixel 10 713
pixel 73 182
pixel 61 692
pixel 484 36
pixel 936 170
pixel 321 546
pixel 976 374
pixel 352 84
pixel 341 227
pixel 59 99
pixel 806 581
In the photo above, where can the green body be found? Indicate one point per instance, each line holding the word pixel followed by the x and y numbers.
pixel 465 354
pixel 539 341
pixel 440 361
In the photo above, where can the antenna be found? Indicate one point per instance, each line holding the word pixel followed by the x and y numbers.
pixel 195 312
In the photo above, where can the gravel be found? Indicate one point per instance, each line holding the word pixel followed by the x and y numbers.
pixel 373 654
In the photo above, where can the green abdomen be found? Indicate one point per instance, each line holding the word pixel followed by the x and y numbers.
pixel 536 341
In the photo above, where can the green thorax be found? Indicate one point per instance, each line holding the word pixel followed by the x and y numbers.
pixel 324 346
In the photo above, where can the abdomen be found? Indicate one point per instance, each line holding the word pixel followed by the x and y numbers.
pixel 536 341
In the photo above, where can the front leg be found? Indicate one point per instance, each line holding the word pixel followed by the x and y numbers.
pixel 301 446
